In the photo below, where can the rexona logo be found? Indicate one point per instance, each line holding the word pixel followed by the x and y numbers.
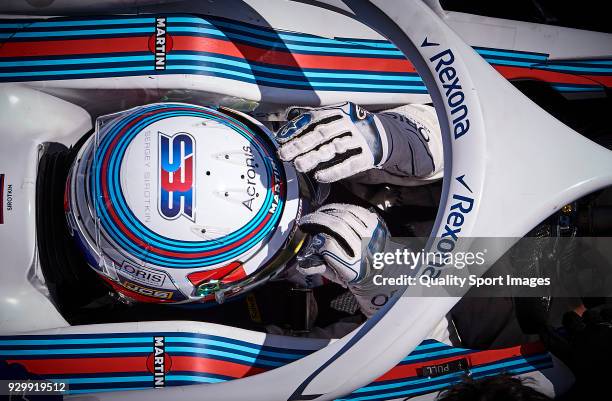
pixel 455 98
pixel 176 181
pixel 459 208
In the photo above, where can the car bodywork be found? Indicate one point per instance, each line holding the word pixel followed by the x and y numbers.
pixel 254 57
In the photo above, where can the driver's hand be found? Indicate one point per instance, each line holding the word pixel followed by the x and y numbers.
pixel 341 235
pixel 338 230
pixel 334 142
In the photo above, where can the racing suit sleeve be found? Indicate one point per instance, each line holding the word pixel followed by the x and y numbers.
pixel 414 143
pixel 400 146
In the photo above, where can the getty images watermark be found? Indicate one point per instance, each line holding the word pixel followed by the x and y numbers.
pixel 487 267
pixel 457 260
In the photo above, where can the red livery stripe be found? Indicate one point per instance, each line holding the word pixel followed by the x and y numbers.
pixel 208 45
pixel 476 358
pixel 213 366
pixel 285 58
pixel 74 47
pixel 134 364
pixel 552 76
pixel 84 365
pixel 600 79
pixel 180 363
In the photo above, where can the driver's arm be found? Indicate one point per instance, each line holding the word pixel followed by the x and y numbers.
pixel 401 146
pixel 336 252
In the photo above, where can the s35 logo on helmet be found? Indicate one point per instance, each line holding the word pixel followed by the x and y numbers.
pixel 176 166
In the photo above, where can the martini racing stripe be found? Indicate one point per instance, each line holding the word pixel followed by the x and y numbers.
pixel 197 26
pixel 128 338
pixel 220 66
pixel 196 358
pixel 263 32
pixel 543 360
pixel 275 78
pixel 416 386
pixel 170 338
pixel 185 345
pixel 202 45
pixel 292 58
pixel 252 69
pixel 339 48
pixel 227 352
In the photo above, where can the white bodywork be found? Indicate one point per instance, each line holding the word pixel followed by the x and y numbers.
pixel 512 186
pixel 29 118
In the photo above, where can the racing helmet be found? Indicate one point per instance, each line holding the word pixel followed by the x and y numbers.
pixel 176 203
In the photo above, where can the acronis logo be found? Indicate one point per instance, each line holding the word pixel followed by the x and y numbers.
pixel 176 181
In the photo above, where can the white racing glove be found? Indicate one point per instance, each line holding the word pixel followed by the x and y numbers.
pixel 337 250
pixel 339 141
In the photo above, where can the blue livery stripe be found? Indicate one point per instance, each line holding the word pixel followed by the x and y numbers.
pixel 78 61
pixel 511 53
pixel 275 35
pixel 82 32
pixel 75 351
pixel 313 84
pixel 251 350
pixel 584 88
pixel 412 358
pixel 296 48
pixel 174 350
pixel 97 390
pixel 515 63
pixel 85 22
pixel 61 341
pixel 105 379
pixel 574 68
pixel 271 33
pixel 75 72
pixel 192 379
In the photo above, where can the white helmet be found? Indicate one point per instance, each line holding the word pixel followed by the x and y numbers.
pixel 175 202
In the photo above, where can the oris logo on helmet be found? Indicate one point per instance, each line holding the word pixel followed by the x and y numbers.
pixel 176 183
pixel 143 274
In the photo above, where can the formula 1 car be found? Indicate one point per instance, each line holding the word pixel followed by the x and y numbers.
pixel 258 57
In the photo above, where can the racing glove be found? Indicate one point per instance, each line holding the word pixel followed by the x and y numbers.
pixel 338 250
pixel 339 141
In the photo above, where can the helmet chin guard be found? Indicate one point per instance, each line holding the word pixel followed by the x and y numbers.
pixel 175 203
